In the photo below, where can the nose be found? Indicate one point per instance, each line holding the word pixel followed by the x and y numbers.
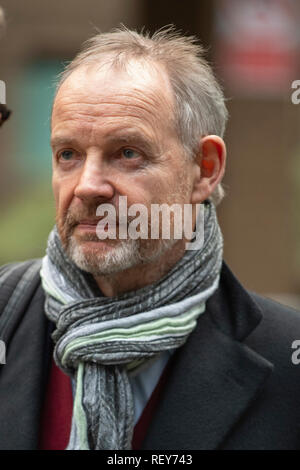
pixel 94 180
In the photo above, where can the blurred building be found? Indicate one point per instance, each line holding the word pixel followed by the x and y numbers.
pixel 254 47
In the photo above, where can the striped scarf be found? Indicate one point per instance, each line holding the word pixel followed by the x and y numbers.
pixel 99 340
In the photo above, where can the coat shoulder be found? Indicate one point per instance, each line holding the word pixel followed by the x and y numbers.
pixel 277 332
pixel 278 318
pixel 17 282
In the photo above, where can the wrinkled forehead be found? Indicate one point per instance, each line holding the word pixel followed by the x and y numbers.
pixel 139 80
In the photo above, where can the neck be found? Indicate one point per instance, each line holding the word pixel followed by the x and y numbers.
pixel 142 275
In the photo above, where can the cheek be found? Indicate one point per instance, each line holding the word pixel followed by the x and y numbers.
pixel 63 194
pixel 55 189
pixel 156 186
pixel 163 190
pixel 137 189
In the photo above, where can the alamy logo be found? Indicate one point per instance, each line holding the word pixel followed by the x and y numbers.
pixel 296 94
pixel 2 352
pixel 296 354
pixel 2 92
pixel 133 222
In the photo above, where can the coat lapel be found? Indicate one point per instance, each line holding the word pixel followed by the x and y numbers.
pixel 213 378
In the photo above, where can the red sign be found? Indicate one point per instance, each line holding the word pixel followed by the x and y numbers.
pixel 257 45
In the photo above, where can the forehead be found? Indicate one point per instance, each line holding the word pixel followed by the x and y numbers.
pixel 142 92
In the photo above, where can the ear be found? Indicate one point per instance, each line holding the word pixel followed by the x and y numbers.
pixel 209 167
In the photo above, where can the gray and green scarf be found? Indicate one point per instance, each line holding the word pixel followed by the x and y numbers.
pixel 99 340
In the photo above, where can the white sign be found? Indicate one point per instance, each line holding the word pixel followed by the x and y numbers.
pixel 2 352
pixel 2 92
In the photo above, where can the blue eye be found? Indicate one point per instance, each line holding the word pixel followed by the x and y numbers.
pixel 129 153
pixel 67 154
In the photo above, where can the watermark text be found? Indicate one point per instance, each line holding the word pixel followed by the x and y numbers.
pixel 2 352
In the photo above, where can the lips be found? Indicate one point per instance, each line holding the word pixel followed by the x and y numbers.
pixel 92 224
pixel 88 222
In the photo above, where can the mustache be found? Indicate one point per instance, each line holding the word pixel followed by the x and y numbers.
pixel 72 218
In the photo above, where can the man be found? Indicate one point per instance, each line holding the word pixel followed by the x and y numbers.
pixel 163 348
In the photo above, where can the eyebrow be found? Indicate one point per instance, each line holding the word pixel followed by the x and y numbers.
pixel 126 138
pixel 61 140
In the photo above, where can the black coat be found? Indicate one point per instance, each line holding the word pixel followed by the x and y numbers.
pixel 231 386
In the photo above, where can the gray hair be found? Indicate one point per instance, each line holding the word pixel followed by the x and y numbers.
pixel 199 101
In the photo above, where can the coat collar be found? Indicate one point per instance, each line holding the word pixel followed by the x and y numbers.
pixel 232 309
pixel 214 377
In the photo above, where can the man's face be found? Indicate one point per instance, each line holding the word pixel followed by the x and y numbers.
pixel 113 135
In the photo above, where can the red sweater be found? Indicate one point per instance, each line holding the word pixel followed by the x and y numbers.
pixel 58 407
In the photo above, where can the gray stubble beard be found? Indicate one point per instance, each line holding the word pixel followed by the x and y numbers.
pixel 124 255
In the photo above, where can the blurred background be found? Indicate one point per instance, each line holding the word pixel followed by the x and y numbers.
pixel 254 47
